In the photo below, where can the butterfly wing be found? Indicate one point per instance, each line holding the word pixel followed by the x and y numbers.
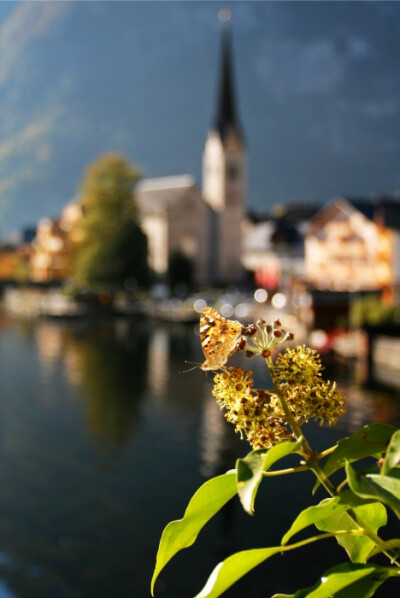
pixel 218 338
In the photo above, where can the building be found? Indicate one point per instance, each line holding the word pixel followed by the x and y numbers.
pixel 224 178
pixel 354 246
pixel 51 247
pixel 205 227
pixel 175 218
pixel 49 259
pixel 273 247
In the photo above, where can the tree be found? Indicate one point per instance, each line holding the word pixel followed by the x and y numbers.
pixel 112 249
pixel 180 270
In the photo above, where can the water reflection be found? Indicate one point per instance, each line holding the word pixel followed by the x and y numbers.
pixel 158 366
pixel 108 365
pixel 103 441
pixel 113 363
pixel 366 401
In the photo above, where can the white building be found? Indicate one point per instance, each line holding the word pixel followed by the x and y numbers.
pixel 206 227
pixel 273 248
pixel 175 218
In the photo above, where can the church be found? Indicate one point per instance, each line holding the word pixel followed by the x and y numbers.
pixel 206 225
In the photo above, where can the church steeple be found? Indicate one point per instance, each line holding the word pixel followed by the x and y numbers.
pixel 226 119
pixel 224 176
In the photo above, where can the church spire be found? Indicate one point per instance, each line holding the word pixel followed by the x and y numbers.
pixel 224 175
pixel 226 119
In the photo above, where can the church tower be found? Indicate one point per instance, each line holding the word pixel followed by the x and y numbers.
pixel 224 176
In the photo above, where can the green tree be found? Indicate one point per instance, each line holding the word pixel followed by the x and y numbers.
pixel 112 247
pixel 180 270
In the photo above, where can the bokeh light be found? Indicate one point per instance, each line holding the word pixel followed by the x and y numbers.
pixel 199 305
pixel 241 310
pixel 226 310
pixel 260 295
pixel 279 301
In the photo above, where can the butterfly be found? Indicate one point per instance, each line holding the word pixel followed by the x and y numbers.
pixel 218 338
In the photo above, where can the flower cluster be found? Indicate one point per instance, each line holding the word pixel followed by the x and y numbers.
pixel 256 413
pixel 299 394
pixel 263 338
pixel 307 395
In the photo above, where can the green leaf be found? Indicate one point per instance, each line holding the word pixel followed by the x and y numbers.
pixel 251 468
pixel 383 488
pixel 299 594
pixel 387 546
pixel 363 588
pixel 234 567
pixel 207 501
pixel 357 547
pixel 350 580
pixel 328 507
pixel 332 583
pixel 392 459
pixel 370 440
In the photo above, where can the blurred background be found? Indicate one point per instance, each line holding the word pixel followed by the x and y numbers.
pixel 155 158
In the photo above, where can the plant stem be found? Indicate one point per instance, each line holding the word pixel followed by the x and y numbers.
pixel 311 458
pixel 289 418
pixel 322 537
pixel 327 452
pixel 313 463
pixel 340 487
pixel 285 471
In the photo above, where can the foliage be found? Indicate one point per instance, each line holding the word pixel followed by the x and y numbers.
pixel 112 248
pixel 366 467
pixel 371 310
pixel 180 270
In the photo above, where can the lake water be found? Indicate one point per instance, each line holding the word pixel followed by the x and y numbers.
pixel 103 441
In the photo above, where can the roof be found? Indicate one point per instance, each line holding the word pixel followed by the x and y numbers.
pixel 226 119
pixel 384 210
pixel 158 194
pixel 299 211
pixel 295 213
pixel 166 182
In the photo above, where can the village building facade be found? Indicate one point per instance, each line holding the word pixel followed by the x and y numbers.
pixel 273 246
pixel 354 246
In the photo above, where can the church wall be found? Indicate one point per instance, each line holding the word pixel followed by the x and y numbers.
pixel 156 229
pixel 188 232
pixel 230 246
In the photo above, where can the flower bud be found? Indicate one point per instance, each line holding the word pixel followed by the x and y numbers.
pixel 249 330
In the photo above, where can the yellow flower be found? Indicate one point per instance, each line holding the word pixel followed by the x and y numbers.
pixel 259 415
pixel 256 413
pixel 308 396
pixel 300 365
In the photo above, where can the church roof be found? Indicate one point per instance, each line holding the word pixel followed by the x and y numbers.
pixel 158 194
pixel 226 119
